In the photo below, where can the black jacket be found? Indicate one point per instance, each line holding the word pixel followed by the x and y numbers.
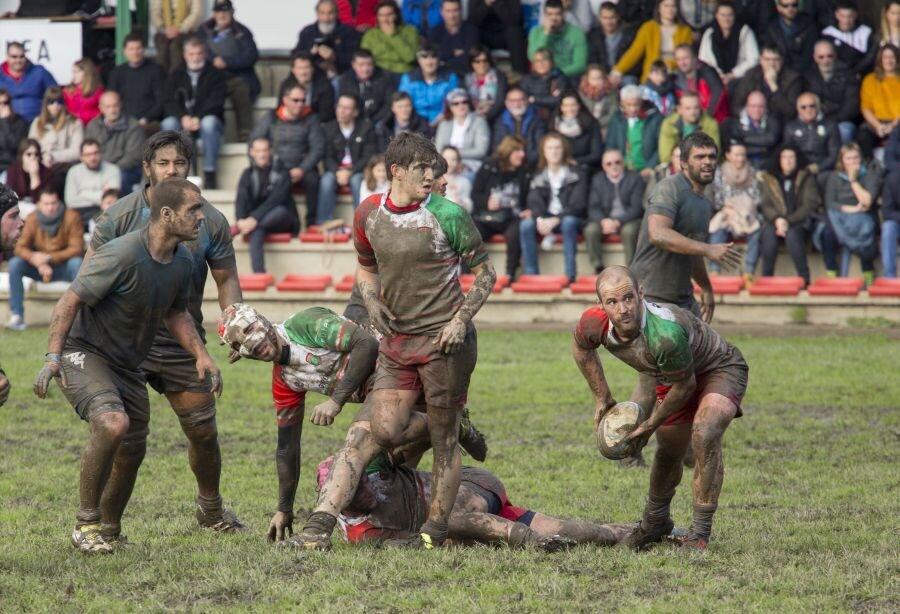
pixel 384 131
pixel 361 145
pixel 760 141
pixel 12 130
pixel 239 52
pixel 261 190
pixel 141 88
pixel 839 95
pixel 783 102
pixel 374 95
pixel 208 98
pixel 344 39
pixel 319 95
pixel 597 48
pixel 572 194
pixel 602 194
pixel 820 141
pixel 541 90
pixel 587 147
pixel 298 143
pixel 797 50
pixel 530 127
pixel 859 62
pixel 509 12
pixel 489 176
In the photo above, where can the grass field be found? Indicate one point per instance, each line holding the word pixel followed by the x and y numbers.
pixel 808 519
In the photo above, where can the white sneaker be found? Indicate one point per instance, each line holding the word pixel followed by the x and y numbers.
pixel 15 322
pixel 548 242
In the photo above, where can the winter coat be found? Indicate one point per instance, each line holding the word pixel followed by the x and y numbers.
pixel 253 199
pixel 361 144
pixel 783 102
pixel 602 193
pixel 319 94
pixel 238 49
pixel 85 108
pixel 384 131
pixel 530 127
pixel 476 141
pixel 772 204
pixel 27 91
pixel 122 143
pixel 428 98
pixel 572 194
pixel 298 143
pixel 839 96
pixel 374 95
pixel 648 45
pixel 617 135
pixel 208 98
pixel 345 40
pixel 597 53
pixel 141 89
pixel 672 131
pixel 819 141
pixel 395 53
pixel 63 145
pixel 760 141
pixel 12 130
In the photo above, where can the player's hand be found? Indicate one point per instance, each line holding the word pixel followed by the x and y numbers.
pixel 452 336
pixel 601 410
pixel 281 526
pixel 4 389
pixel 50 370
pixel 725 254
pixel 324 413
pixel 707 305
pixel 639 437
pixel 381 317
pixel 206 366
pixel 234 356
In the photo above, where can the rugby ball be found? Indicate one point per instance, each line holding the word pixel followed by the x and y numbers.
pixel 615 426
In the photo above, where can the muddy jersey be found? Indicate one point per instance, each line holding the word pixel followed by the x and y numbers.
pixel 213 247
pixel 417 251
pixel 673 344
pixel 127 294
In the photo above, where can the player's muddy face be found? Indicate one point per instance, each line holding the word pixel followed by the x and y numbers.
pixel 622 304
pixel 418 179
pixel 10 228
pixel 167 162
pixel 701 165
pixel 185 223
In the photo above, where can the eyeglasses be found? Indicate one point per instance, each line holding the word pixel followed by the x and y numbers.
pixel 16 57
pixel 55 101
pixel 803 107
pixel 613 163
pixel 480 61
pixel 791 5
pixel 825 56
pixel 459 103
pixel 297 100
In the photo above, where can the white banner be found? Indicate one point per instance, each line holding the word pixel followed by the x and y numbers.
pixel 56 46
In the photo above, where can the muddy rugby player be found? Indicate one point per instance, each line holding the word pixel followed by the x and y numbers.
pixel 10 228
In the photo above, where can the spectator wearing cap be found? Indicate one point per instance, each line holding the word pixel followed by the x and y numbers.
pixel 634 130
pixel 462 128
pixel 566 42
pixel 693 76
pixel 349 144
pixel 486 83
pixel 615 207
pixel 521 119
pixel 836 87
pixel 792 34
pixel 759 130
pixel 854 42
pixel 299 143
pixel 25 82
pixel 453 37
pixel 392 43
pixel 87 181
pixel 328 39
pixel 816 137
pixel 610 38
pixel 779 83
pixel 368 84
pixel 174 21
pixel 121 139
pixel 545 83
pixel 319 92
pixel 195 104
pixel 13 128
pixel 688 118
pixel 573 120
pixel 428 85
pixel 231 46
pixel 728 45
pixel 403 118
pixel 499 23
pixel 140 83
pixel 879 100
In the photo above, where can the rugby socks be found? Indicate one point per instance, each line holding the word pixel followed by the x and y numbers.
pixel 210 506
pixel 320 522
pixel 85 517
pixel 438 531
pixel 520 536
pixel 701 523
pixel 656 512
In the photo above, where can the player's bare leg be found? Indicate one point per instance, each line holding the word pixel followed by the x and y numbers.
pixel 446 471
pixel 713 416
pixel 120 485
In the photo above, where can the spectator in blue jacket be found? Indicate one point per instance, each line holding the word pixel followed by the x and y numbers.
pixel 428 85
pixel 25 82
pixel 423 14
pixel 233 51
pixel 520 118
pixel 327 37
pixel 454 38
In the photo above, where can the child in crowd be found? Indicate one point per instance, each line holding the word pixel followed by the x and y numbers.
pixel 659 88
pixel 459 187
pixel 375 180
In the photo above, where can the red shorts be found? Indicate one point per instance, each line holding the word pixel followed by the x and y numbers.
pixel 731 384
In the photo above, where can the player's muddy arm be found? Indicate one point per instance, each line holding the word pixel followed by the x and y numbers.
pixel 662 234
pixel 61 321
pixel 699 273
pixel 369 283
pixel 589 364
pixel 228 285
pixel 182 327
pixel 287 464
pixel 485 277
pixel 363 354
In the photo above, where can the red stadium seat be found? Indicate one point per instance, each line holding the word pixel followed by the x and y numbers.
pixel 885 286
pixel 540 284
pixel 255 282
pixel 274 237
pixel 776 286
pixel 466 281
pixel 612 239
pixel 584 284
pixel 724 284
pixel 346 284
pixel 304 283
pixel 497 239
pixel 318 237
pixel 836 286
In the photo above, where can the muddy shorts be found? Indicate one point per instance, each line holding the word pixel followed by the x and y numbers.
pixel 173 369
pixel 95 386
pixel 731 383
pixel 415 362
pixel 489 487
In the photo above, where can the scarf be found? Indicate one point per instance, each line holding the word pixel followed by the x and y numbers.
pixel 568 127
pixel 174 16
pixel 726 49
pixel 50 223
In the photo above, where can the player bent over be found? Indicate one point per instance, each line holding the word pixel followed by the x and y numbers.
pixel 701 379
pixel 392 498
pixel 100 332
pixel 313 350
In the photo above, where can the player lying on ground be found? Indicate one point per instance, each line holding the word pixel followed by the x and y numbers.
pixel 320 351
pixel 392 499
pixel 701 379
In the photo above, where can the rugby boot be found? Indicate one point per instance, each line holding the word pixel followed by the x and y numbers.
pixel 419 541
pixel 470 438
pixel 555 543
pixel 692 543
pixel 224 521
pixel 642 538
pixel 87 539
pixel 115 538
pixel 308 539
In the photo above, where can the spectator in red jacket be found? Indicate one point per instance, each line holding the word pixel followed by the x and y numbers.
pixel 82 95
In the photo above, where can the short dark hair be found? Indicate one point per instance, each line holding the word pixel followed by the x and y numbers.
pixel 169 193
pixel 771 48
pixel 352 97
pixel 134 37
pixel 610 6
pixel 846 4
pixel 261 137
pixel 441 167
pixel 659 65
pixel 194 41
pixel 398 15
pixel 687 46
pixel 111 192
pixel 398 96
pixel 47 189
pixel 288 85
pixel 732 143
pixel 87 143
pixel 406 149
pixel 12 44
pixel 302 55
pixel 8 199
pixel 697 140
pixel 167 138
pixel 553 4
pixel 362 54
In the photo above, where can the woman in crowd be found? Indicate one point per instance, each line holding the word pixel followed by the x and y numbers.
pixel 486 84
pixel 463 129
pixel 598 95
pixel 82 95
pixel 375 179
pixel 574 121
pixel 879 100
pixel 498 197
pixel 459 186
pixel 556 203
pixel 890 24
pixel 850 193
pixel 790 200
pixel 391 42
pixel 728 45
pixel 28 174
pixel 544 84
pixel 736 199
pixel 59 133
pixel 655 40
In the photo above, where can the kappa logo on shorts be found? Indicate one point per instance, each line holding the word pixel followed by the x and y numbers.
pixel 76 358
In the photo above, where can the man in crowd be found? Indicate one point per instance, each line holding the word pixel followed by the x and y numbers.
pixel 689 117
pixel 567 42
pixel 854 42
pixel 837 88
pixel 233 51
pixel 10 229
pixel 349 143
pixel 168 367
pixel 756 128
pixel 140 83
pixel 520 118
pixel 173 23
pixel 102 329
pixel 793 34
pixel 368 84
pixel 263 203
pixel 780 84
pixel 195 104
pixel 299 143
pixel 319 92
pixel 87 180
pixel 428 85
pixel 454 38
pixel 121 139
pixel 818 138
pixel 615 207
pixel 610 39
pixel 49 249
pixel 700 379
pixel 691 75
pixel 500 24
pixel 25 82
pixel 403 118
pixel 327 38
pixel 634 130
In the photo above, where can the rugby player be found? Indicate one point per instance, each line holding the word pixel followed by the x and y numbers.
pixel 10 229
pixel 101 331
pixel 169 368
pixel 700 381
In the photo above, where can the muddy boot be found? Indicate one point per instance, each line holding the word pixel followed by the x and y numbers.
pixel 692 543
pixel 88 540
pixel 316 534
pixel 112 535
pixel 218 518
pixel 643 537
pixel 470 438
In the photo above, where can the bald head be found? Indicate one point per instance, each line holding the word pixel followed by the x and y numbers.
pixel 616 277
pixel 621 299
pixel 110 106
